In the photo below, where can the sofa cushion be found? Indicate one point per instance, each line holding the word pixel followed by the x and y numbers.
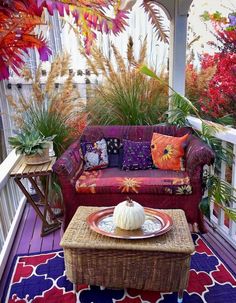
pixel 114 180
pixel 168 151
pixel 137 155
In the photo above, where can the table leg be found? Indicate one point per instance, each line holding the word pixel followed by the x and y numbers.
pixel 180 296
pixel 43 196
pixel 46 227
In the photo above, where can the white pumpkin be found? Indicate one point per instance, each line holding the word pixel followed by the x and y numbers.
pixel 129 215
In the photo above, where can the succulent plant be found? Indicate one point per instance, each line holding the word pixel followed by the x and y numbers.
pixel 30 143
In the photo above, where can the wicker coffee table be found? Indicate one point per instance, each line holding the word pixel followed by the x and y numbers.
pixel 161 263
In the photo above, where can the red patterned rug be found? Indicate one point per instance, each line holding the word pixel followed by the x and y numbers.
pixel 40 278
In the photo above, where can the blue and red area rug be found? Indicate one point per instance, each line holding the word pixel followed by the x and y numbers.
pixel 40 278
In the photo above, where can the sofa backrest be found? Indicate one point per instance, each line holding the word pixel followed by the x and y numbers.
pixel 134 133
pixel 131 132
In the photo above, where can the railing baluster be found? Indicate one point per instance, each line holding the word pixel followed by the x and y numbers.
pixel 221 214
pixel 232 224
pixel 211 172
pixel 11 208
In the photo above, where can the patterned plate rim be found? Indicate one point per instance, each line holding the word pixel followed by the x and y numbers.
pixel 97 216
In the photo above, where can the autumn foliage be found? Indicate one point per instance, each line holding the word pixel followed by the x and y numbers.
pixel 213 86
pixel 19 18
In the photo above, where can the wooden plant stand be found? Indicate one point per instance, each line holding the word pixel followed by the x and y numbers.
pixel 23 171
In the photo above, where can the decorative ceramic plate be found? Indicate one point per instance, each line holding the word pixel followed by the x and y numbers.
pixel 156 223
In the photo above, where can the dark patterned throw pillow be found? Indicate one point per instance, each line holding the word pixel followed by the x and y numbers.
pixel 137 155
pixel 113 146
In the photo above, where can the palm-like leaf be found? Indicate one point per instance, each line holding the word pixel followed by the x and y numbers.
pixel 150 7
pixel 222 193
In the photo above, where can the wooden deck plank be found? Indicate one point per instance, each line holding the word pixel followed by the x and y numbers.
pixel 14 249
pixel 25 241
pixel 57 239
pixel 36 240
pixel 47 242
pixel 27 233
pixel 221 247
pixel 223 250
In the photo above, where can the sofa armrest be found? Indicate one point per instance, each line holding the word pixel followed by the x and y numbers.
pixel 198 154
pixel 70 164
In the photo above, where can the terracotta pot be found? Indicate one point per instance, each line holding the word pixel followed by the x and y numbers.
pixel 38 158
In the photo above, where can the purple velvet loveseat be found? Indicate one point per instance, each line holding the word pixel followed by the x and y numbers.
pixel 153 188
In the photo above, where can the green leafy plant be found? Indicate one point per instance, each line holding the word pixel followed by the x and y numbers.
pixel 30 143
pixel 49 123
pixel 219 191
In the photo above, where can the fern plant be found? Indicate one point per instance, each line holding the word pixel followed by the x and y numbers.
pixel 219 191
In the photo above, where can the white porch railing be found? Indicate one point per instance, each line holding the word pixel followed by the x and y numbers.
pixel 12 204
pixel 225 227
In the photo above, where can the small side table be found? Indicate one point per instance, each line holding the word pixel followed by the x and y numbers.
pixel 31 172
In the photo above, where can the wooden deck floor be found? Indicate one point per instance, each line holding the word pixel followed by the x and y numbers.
pixel 28 240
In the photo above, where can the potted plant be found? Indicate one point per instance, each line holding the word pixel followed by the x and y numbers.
pixel 33 145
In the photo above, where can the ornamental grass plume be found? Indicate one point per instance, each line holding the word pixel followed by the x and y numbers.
pixel 125 96
pixel 49 109
pixel 63 99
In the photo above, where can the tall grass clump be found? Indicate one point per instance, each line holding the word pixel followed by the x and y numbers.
pixel 125 96
pixel 50 108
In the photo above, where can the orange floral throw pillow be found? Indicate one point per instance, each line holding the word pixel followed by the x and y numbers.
pixel 167 151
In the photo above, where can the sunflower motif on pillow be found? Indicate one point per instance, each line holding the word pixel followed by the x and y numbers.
pixel 167 151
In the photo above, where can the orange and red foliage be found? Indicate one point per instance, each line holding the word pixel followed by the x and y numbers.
pixel 18 19
pixel 213 87
pixel 220 97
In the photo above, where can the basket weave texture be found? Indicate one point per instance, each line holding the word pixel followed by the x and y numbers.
pixel 160 263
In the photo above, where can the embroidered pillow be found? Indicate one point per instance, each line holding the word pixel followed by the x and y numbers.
pixel 95 154
pixel 168 151
pixel 136 155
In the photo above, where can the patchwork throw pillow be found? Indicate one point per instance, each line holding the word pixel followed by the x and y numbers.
pixel 168 151
pixel 136 155
pixel 95 154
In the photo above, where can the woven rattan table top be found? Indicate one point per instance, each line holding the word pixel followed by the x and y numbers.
pixel 78 235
